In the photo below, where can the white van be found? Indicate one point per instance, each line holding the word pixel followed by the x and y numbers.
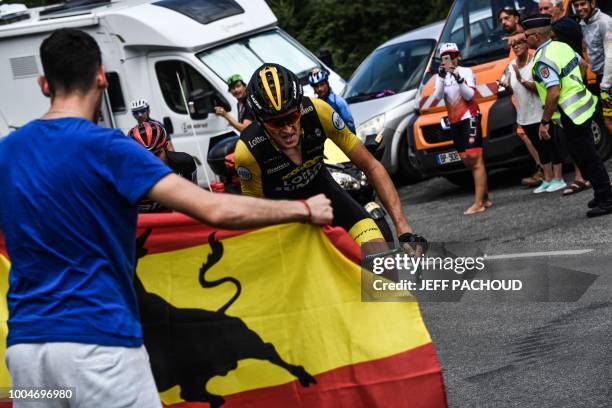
pixel 176 55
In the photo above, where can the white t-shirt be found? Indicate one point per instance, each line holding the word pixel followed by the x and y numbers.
pixel 528 106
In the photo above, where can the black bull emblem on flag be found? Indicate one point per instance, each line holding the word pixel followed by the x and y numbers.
pixel 188 347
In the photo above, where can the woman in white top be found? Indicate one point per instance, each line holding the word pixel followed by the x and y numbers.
pixel 529 112
pixel 457 85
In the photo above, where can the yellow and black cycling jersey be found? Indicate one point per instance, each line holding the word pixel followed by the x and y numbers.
pixel 265 171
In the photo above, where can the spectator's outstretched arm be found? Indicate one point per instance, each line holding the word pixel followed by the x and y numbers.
pixel 233 122
pixel 234 211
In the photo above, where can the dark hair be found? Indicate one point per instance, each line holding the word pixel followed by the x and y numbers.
pixel 511 11
pixel 70 59
pixel 240 81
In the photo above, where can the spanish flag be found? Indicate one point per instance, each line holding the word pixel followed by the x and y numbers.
pixel 271 317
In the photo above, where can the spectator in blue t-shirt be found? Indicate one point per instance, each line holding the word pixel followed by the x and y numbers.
pixel 319 80
pixel 69 221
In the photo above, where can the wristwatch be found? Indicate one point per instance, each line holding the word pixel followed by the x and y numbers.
pixel 545 122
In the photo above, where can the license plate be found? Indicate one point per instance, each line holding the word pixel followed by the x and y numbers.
pixel 446 158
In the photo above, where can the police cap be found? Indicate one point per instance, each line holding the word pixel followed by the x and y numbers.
pixel 536 21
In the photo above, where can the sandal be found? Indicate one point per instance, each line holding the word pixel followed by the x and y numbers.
pixel 576 187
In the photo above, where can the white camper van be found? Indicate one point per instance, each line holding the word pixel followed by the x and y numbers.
pixel 175 54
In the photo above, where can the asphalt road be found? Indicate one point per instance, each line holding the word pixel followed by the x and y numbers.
pixel 497 351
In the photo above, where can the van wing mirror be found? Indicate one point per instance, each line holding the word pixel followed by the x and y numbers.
pixel 168 125
pixel 200 103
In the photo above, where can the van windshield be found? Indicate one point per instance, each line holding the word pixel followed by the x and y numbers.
pixel 473 26
pixel 247 54
pixel 389 70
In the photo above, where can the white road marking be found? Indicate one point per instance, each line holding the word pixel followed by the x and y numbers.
pixel 539 254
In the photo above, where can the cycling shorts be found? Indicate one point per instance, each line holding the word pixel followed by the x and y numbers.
pixel 467 135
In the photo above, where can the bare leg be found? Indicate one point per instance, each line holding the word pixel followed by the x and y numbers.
pixel 548 171
pixel 557 171
pixel 531 148
pixel 578 176
pixel 479 172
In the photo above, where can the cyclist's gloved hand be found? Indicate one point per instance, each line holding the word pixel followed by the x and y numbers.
pixel 413 244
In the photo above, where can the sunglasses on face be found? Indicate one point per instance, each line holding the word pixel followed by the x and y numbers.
pixel 287 120
pixel 139 112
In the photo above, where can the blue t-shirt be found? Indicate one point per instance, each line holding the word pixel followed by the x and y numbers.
pixel 339 104
pixel 68 214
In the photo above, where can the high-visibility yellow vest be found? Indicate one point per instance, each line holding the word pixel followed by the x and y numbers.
pixel 574 99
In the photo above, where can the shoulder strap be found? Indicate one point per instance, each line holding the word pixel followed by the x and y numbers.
pixel 310 119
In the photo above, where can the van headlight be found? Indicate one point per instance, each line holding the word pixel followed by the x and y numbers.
pixel 372 126
pixel 346 181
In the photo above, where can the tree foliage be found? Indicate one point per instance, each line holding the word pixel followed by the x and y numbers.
pixel 352 29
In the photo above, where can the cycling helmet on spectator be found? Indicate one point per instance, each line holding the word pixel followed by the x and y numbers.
pixel 449 48
pixel 139 106
pixel 317 76
pixel 151 135
pixel 273 91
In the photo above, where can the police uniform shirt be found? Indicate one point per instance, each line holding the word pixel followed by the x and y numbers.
pixel 549 76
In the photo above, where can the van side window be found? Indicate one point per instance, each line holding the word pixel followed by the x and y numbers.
pixel 190 80
pixel 114 92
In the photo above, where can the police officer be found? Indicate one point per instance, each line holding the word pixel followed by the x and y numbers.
pixel 560 87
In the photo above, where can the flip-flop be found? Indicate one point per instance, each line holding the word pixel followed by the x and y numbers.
pixel 576 187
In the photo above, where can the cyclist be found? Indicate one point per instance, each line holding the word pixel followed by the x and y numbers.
pixel 457 86
pixel 154 138
pixel 281 154
pixel 142 113
pixel 319 80
pixel 238 89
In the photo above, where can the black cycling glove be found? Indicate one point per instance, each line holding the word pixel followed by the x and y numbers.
pixel 442 72
pixel 414 240
pixel 458 77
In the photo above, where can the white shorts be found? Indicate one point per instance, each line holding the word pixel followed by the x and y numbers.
pixel 99 376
